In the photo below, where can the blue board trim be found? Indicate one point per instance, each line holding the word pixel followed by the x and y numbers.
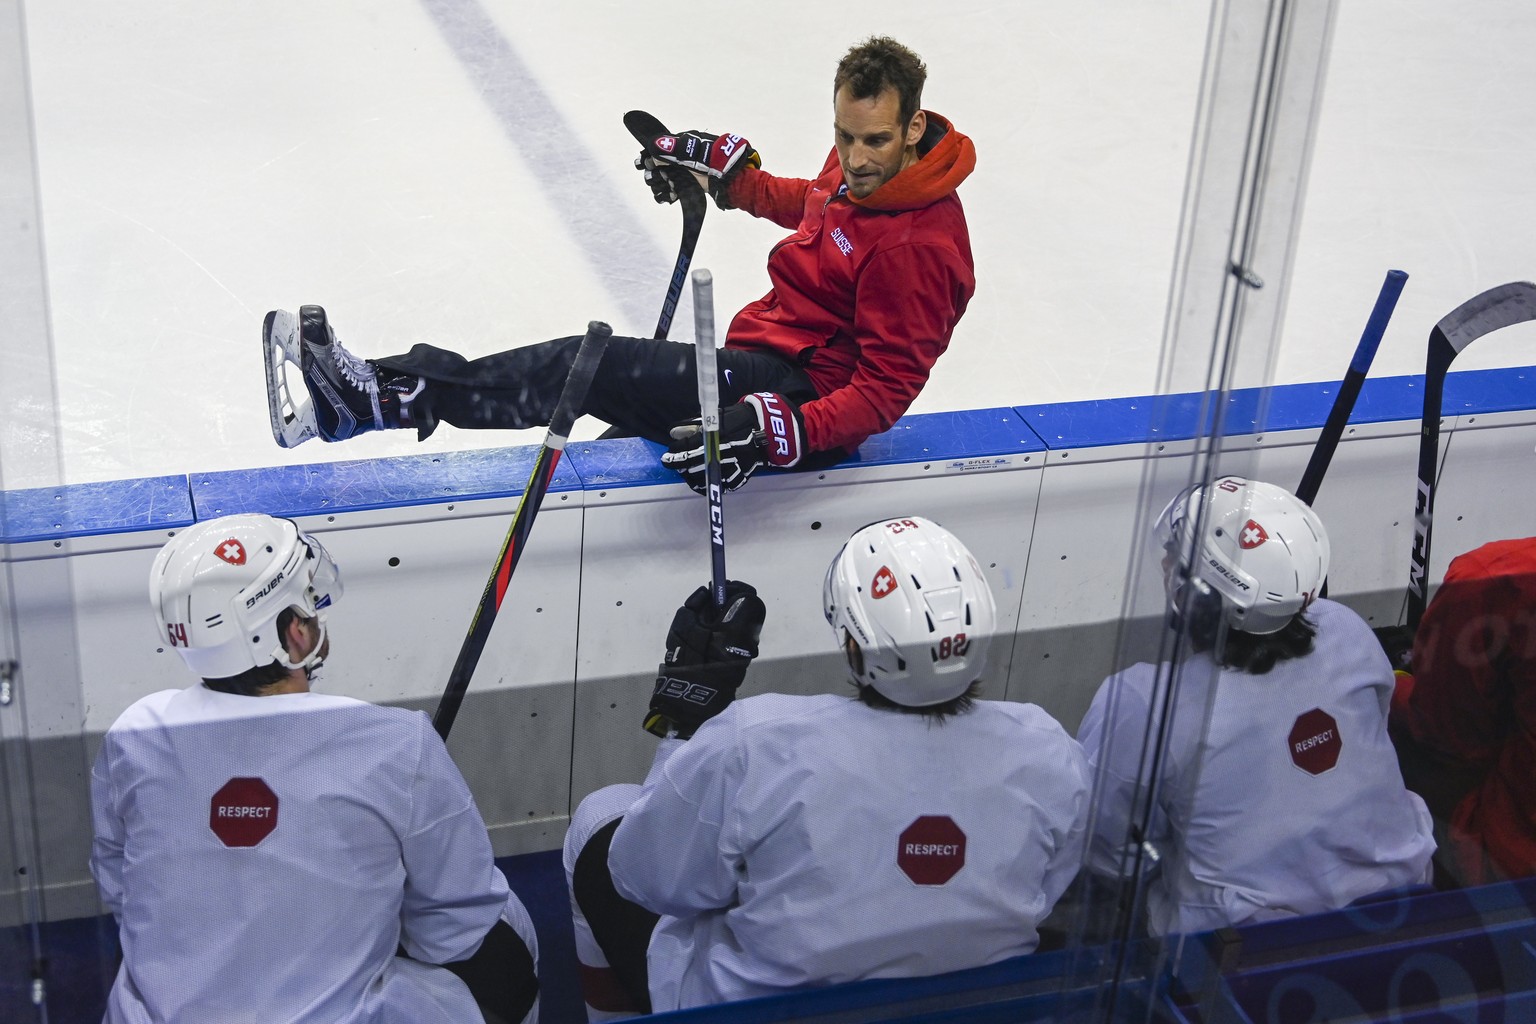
pixel 367 484
pixel 96 509
pixel 123 506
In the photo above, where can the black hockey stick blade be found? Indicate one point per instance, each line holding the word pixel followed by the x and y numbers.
pixel 1492 310
pixel 1349 387
pixel 572 396
pixel 647 130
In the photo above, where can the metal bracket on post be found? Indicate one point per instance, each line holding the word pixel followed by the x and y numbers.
pixel 1246 276
pixel 8 670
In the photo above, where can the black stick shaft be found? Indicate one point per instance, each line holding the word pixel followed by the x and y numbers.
pixel 694 208
pixel 572 397
pixel 1489 311
pixel 1349 387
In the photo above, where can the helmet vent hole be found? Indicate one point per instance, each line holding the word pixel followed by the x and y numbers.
pixel 967 613
pixel 917 583
pixel 929 617
pixel 214 620
pixel 901 664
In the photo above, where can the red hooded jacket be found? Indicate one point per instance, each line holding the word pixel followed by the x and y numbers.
pixel 866 292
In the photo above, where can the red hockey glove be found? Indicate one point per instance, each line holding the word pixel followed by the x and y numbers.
pixel 718 157
pixel 708 651
pixel 762 427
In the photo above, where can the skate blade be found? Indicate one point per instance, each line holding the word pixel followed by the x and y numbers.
pixel 292 423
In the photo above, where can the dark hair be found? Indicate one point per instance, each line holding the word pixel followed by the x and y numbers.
pixel 935 713
pixel 880 63
pixel 253 681
pixel 1254 653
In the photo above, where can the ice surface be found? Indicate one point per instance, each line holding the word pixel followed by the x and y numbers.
pixel 456 171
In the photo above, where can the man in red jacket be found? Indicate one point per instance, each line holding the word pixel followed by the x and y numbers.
pixel 1465 720
pixel 866 294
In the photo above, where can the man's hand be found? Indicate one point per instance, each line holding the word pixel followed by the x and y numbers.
pixel 762 427
pixel 714 158
pixel 708 651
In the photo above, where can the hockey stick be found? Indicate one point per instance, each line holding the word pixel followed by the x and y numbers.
pixel 646 130
pixel 1504 306
pixel 560 422
pixel 1349 387
pixel 709 425
pixel 709 422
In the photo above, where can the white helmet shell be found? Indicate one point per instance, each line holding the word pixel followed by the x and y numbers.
pixel 916 604
pixel 1261 548
pixel 218 587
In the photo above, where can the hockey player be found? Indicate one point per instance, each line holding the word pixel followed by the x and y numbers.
pixel 1463 715
pixel 788 842
pixel 266 849
pixel 1278 792
pixel 866 294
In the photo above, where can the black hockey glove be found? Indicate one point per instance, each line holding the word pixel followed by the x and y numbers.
pixel 708 651
pixel 762 427
pixel 666 181
pixel 718 157
pixel 1397 642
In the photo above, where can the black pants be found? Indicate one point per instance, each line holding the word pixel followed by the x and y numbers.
pixel 642 387
pixel 500 975
pixel 622 929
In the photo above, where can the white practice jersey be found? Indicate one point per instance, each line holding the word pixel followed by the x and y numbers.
pixel 1290 801
pixel 799 841
pixel 264 855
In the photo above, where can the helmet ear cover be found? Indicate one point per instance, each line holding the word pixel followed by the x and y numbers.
pixel 219 586
pixel 912 610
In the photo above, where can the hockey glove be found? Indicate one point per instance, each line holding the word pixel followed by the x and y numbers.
pixel 708 651
pixel 666 181
pixel 762 427
pixel 1397 642
pixel 718 157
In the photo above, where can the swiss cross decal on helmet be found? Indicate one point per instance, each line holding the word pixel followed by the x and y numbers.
pixel 1252 536
pixel 232 551
pixel 920 641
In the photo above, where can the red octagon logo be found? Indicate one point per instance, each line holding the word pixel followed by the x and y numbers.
pixel 243 812
pixel 1315 743
pixel 931 850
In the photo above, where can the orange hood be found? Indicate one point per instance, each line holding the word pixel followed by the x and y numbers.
pixel 938 171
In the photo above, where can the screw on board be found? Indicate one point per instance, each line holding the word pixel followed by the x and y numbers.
pixel 8 671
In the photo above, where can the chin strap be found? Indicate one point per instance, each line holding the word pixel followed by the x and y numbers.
pixel 312 661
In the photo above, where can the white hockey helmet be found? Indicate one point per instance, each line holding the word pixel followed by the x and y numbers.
pixel 1261 548
pixel 916 607
pixel 218 587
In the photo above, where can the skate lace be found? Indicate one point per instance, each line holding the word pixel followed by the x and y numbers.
pixel 355 369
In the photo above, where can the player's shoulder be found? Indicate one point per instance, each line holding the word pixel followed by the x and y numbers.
pixel 1333 617
pixel 147 711
pixel 765 710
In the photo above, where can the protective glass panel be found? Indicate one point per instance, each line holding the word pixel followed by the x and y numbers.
pixel 456 171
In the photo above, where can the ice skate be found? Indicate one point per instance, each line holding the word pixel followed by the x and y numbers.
pixel 344 397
